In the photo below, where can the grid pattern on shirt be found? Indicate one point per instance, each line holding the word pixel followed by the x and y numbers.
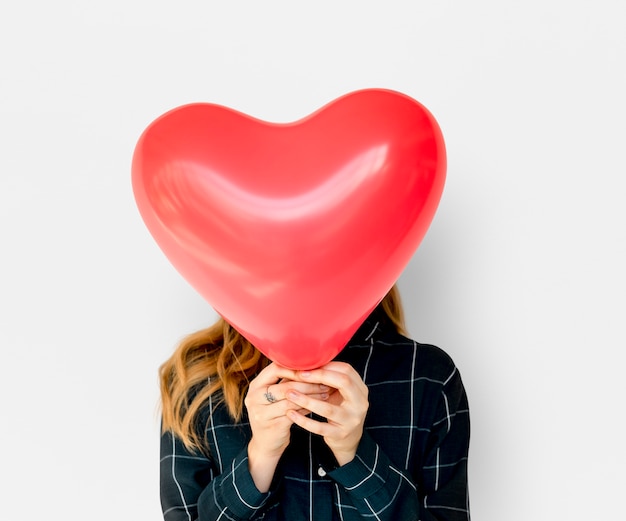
pixel 411 462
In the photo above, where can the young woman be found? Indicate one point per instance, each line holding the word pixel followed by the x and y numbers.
pixel 379 433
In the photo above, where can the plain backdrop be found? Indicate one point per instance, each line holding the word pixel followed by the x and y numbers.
pixel 520 277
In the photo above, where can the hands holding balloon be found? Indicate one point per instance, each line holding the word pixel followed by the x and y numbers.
pixel 267 412
pixel 268 407
pixel 344 410
pixel 279 397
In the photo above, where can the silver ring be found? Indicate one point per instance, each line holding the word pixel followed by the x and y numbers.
pixel 269 396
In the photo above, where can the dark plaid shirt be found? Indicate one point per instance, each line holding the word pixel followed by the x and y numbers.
pixel 411 463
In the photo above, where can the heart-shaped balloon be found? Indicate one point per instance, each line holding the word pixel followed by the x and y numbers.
pixel 293 232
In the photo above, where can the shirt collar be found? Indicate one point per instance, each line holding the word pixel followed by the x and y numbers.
pixel 370 329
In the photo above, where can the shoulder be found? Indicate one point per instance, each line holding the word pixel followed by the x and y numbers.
pixel 435 361
pixel 427 360
pixel 387 355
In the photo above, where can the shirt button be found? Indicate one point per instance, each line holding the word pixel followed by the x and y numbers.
pixel 321 472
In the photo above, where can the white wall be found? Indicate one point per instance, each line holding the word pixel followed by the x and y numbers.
pixel 520 278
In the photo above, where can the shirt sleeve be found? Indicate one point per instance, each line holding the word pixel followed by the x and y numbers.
pixel 443 487
pixel 376 488
pixel 191 490
pixel 380 490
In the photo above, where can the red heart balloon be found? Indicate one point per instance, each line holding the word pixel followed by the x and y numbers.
pixel 292 232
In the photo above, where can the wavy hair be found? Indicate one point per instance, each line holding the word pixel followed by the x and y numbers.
pixel 218 362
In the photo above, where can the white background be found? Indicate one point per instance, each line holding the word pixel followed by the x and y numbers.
pixel 520 278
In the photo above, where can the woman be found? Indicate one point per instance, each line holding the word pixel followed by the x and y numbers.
pixel 381 432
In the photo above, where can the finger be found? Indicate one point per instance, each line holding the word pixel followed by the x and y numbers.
pixel 305 387
pixel 272 374
pixel 340 367
pixel 275 395
pixel 319 407
pixel 311 425
pixel 350 372
pixel 280 407
pixel 279 390
pixel 265 411
pixel 348 383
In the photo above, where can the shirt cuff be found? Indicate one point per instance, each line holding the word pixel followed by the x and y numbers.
pixel 236 490
pixel 366 473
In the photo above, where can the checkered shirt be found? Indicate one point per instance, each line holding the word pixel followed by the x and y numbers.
pixel 411 463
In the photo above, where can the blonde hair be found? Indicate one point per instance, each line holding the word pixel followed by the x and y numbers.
pixel 218 362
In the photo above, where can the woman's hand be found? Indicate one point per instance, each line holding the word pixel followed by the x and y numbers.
pixel 267 412
pixel 344 410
